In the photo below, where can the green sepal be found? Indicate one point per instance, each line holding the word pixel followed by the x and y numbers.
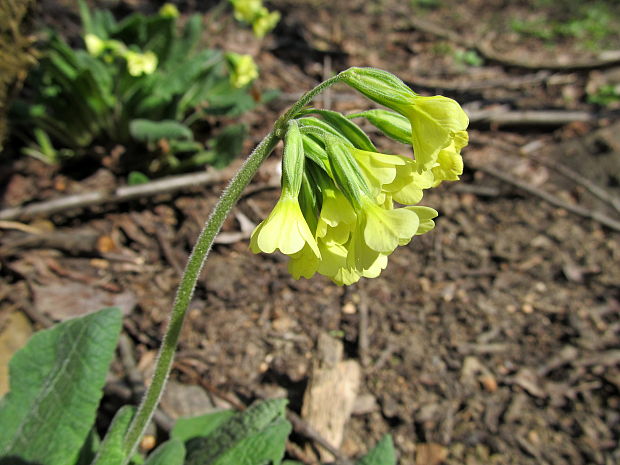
pixel 311 122
pixel 347 172
pixel 308 202
pixel 392 124
pixel 315 152
pixel 347 128
pixel 378 85
pixel 293 159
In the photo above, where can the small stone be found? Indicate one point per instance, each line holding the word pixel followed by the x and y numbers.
pixel 349 308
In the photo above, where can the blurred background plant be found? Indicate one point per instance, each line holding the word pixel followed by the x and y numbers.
pixel 143 83
pixel 594 24
pixel 16 53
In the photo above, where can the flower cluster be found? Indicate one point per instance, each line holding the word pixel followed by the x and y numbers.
pixel 345 206
pixel 253 12
pixel 243 69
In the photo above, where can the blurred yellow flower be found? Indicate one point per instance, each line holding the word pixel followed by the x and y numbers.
pixel 243 69
pixel 140 63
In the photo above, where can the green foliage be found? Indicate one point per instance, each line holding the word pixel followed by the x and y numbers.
pixel 56 382
pixel 138 82
pixel 171 452
pixel 590 23
pixel 468 58
pixel 605 95
pixel 203 425
pixel 110 451
pixel 261 429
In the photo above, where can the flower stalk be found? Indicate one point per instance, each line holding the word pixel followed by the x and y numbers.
pixel 195 264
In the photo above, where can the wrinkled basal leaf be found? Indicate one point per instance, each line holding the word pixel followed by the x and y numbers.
pixel 256 436
pixel 56 383
pixel 200 426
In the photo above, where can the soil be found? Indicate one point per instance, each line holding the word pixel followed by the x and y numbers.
pixel 494 339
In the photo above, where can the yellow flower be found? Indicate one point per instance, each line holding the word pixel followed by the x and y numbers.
pixel 436 122
pixel 265 22
pixel 385 229
pixel 246 10
pixel 243 69
pixel 169 10
pixel 284 229
pixel 140 63
pixel 449 160
pixel 94 44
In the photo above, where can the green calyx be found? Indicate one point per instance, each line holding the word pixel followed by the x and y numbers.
pixel 379 86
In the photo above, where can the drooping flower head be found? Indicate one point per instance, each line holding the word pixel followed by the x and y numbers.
pixel 345 206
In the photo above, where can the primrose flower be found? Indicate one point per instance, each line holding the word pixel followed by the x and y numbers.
pixel 246 10
pixel 284 229
pixel 436 122
pixel 94 45
pixel 140 63
pixel 265 22
pixel 449 160
pixel 169 10
pixel 243 69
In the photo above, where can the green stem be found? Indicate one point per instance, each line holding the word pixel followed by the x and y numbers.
pixel 195 264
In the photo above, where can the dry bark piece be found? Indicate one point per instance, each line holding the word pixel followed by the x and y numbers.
pixel 331 392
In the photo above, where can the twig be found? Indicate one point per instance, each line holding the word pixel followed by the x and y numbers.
pixel 552 199
pixel 510 82
pixel 303 428
pixel 594 189
pixel 121 194
pixel 484 47
pixel 602 60
pixel 503 117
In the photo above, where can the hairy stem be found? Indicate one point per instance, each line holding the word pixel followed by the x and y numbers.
pixel 195 264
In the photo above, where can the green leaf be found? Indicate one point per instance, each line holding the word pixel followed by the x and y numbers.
pixel 171 452
pixel 382 454
pixel 136 177
pixel 150 131
pixel 193 427
pixel 56 383
pixel 111 450
pixel 254 437
pixel 89 448
pixel 228 144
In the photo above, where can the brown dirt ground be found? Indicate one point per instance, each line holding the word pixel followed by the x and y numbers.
pixel 495 339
